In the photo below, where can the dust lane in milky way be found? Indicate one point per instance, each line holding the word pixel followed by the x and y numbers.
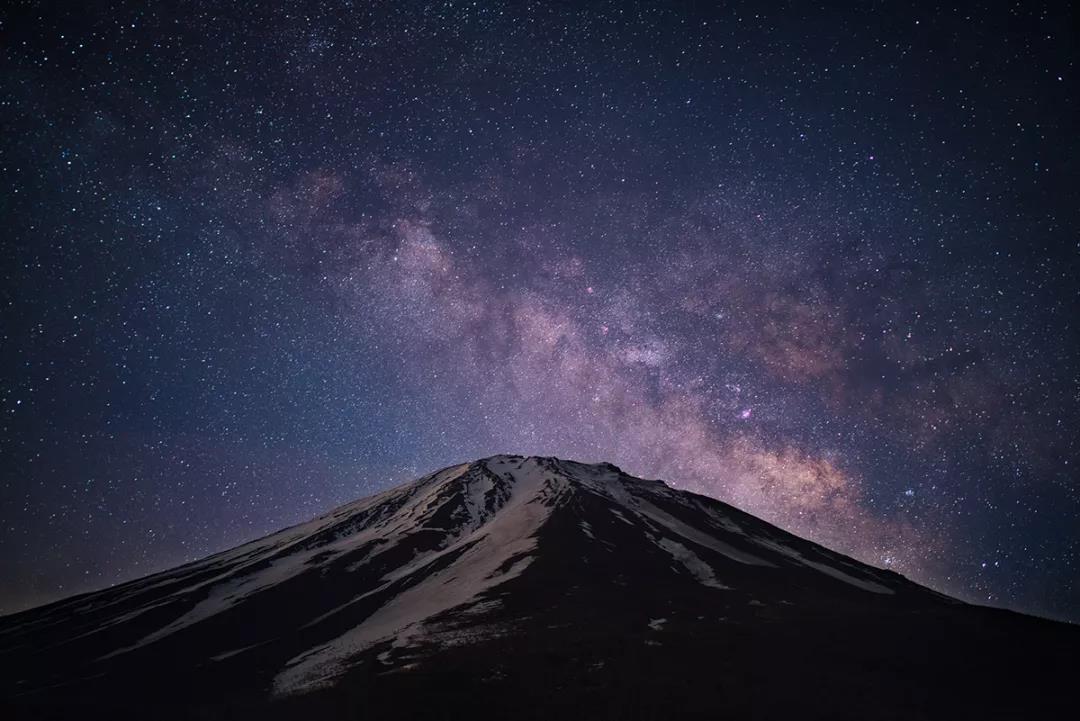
pixel 819 265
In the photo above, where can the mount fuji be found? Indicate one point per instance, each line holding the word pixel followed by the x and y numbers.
pixel 527 587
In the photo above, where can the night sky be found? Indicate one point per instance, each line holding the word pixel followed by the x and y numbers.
pixel 819 262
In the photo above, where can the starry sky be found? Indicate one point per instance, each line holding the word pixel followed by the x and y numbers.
pixel 819 261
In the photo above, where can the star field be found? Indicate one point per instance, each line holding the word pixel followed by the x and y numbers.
pixel 817 262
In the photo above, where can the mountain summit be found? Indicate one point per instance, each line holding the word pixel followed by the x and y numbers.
pixel 517 587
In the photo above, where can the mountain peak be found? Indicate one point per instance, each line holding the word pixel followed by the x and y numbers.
pixel 553 463
pixel 518 467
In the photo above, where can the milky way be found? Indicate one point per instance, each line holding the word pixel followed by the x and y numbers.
pixel 819 264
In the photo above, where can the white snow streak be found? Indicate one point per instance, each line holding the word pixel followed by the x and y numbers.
pixel 825 568
pixel 700 570
pixel 508 535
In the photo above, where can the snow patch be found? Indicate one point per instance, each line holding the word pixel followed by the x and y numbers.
pixel 234 652
pixel 700 570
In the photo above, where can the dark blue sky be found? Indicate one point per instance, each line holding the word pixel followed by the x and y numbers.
pixel 818 261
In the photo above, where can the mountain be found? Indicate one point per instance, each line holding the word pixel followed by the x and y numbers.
pixel 516 587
